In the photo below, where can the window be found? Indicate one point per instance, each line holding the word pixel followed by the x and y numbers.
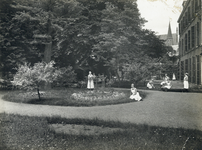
pixel 184 22
pixel 189 40
pixel 186 65
pixel 185 42
pixel 197 34
pixel 182 70
pixel 189 14
pixel 194 70
pixel 186 19
pixel 182 47
pixel 193 11
pixel 192 37
pixel 196 5
pixel 190 74
pixel 198 70
pixel 179 28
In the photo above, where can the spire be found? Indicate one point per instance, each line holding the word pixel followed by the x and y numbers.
pixel 169 35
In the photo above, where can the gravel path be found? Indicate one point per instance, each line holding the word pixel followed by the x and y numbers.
pixel 167 109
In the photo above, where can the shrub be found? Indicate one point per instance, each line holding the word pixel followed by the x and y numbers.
pixel 30 78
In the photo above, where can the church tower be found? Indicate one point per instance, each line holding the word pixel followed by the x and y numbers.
pixel 169 40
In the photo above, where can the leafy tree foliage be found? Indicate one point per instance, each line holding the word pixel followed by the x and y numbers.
pixel 153 46
pixel 33 77
pixel 118 40
pixel 141 69
pixel 101 35
pixel 32 27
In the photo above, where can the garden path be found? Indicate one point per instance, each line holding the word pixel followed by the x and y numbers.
pixel 167 109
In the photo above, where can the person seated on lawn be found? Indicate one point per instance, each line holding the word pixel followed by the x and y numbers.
pixel 134 94
pixel 150 84
pixel 167 85
pixel 164 82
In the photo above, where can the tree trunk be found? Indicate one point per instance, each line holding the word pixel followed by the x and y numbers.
pixel 38 94
pixel 117 74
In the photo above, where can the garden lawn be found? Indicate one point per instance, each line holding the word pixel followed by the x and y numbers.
pixel 64 97
pixel 23 132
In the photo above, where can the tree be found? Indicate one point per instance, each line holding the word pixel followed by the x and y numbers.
pixel 33 77
pixel 141 68
pixel 153 46
pixel 81 33
pixel 6 14
pixel 32 32
pixel 118 40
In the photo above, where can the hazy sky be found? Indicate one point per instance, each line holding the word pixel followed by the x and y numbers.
pixel 158 13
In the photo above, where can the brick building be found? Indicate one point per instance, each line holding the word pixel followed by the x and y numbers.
pixel 190 41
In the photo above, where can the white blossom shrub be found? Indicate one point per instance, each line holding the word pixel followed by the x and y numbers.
pixel 98 95
pixel 33 77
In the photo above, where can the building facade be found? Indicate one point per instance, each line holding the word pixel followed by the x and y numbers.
pixel 190 41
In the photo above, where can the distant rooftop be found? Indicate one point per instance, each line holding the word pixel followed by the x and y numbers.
pixel 174 37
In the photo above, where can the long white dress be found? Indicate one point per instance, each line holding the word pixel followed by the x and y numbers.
pixel 168 85
pixel 150 85
pixel 135 95
pixel 90 84
pixel 186 83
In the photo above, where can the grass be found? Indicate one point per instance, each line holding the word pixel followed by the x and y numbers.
pixel 62 97
pixel 23 132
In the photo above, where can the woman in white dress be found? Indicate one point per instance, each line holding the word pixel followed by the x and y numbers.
pixel 186 83
pixel 90 84
pixel 134 94
pixel 164 82
pixel 150 84
pixel 167 85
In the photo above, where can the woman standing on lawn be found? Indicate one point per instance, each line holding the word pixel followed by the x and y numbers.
pixel 90 84
pixel 186 83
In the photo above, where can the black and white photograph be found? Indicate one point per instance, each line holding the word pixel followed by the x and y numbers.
pixel 100 75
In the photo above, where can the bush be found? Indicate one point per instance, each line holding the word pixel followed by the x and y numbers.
pixel 32 78
pixel 122 84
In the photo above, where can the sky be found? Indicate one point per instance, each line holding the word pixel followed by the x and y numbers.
pixel 159 13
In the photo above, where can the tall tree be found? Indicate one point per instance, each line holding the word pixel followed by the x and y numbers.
pixel 83 33
pixel 153 46
pixel 33 32
pixel 119 40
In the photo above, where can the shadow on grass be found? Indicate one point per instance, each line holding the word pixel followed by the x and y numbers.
pixel 43 101
pixel 23 132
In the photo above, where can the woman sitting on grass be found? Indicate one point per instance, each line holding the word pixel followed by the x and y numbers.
pixel 168 85
pixel 134 94
pixel 150 84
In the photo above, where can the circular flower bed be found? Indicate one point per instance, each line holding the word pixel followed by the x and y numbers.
pixel 73 97
pixel 97 95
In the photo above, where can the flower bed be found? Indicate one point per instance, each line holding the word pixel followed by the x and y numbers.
pixel 73 97
pixel 98 95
